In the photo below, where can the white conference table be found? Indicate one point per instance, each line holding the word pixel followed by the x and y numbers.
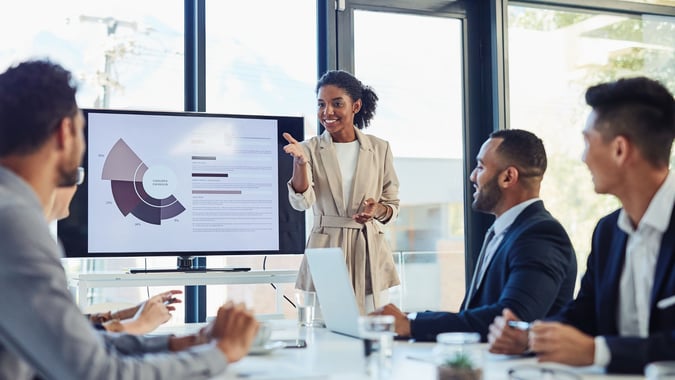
pixel 333 356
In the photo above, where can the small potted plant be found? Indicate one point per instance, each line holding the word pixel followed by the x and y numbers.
pixel 459 367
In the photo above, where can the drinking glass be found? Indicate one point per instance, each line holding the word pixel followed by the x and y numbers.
pixel 377 332
pixel 305 302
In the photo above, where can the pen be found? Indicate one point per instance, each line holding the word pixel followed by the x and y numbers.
pixel 420 358
pixel 170 301
pixel 520 325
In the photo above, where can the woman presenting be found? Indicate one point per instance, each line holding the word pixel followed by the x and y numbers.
pixel 348 179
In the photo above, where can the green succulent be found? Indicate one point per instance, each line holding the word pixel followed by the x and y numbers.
pixel 461 360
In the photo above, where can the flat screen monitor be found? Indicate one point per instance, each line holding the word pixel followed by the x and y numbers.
pixel 184 184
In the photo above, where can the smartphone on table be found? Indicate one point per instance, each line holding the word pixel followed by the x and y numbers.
pixel 294 343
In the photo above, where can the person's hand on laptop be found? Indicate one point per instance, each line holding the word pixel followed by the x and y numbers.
pixel 401 321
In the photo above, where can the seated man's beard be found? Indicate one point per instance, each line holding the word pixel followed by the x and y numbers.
pixel 68 177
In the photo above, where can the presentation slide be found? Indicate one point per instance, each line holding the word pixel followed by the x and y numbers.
pixel 168 183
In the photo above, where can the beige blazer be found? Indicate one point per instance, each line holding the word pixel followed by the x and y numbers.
pixel 368 257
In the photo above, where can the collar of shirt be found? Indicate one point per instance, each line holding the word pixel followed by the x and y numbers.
pixel 658 212
pixel 19 187
pixel 505 220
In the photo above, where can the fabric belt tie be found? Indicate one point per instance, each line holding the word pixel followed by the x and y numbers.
pixel 365 242
pixel 338 222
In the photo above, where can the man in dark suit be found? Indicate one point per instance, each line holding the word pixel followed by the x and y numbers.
pixel 527 262
pixel 624 314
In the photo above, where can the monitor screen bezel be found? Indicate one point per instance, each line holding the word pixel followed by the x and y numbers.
pixel 73 230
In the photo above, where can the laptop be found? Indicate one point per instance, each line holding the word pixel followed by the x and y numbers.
pixel 334 289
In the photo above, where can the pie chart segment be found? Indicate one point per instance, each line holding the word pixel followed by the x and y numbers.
pixel 124 194
pixel 145 197
pixel 172 210
pixel 121 163
pixel 127 175
pixel 147 213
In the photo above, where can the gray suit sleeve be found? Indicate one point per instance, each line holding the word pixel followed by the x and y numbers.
pixel 133 344
pixel 43 326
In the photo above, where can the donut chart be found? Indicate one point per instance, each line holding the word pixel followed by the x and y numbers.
pixel 128 177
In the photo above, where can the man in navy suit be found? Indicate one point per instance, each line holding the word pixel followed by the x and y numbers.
pixel 624 314
pixel 527 262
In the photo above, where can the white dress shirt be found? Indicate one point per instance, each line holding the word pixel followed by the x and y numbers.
pixel 347 156
pixel 637 279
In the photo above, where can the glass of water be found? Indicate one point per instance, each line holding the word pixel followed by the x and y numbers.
pixel 377 332
pixel 305 302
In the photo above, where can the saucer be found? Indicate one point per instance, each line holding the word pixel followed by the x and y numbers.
pixel 266 349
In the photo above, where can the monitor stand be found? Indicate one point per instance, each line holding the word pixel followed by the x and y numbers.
pixel 185 264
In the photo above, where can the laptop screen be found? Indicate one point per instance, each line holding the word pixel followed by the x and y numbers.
pixel 334 290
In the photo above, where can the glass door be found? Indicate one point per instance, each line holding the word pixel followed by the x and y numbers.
pixel 414 60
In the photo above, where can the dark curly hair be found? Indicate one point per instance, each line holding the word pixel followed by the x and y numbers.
pixel 356 90
pixel 640 109
pixel 34 97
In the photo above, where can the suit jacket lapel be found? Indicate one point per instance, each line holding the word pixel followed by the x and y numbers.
pixel 508 233
pixel 332 170
pixel 363 172
pixel 664 263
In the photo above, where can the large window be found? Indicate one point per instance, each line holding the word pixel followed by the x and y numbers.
pixel 554 55
pixel 419 82
pixel 252 70
pixel 126 54
pixel 130 54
